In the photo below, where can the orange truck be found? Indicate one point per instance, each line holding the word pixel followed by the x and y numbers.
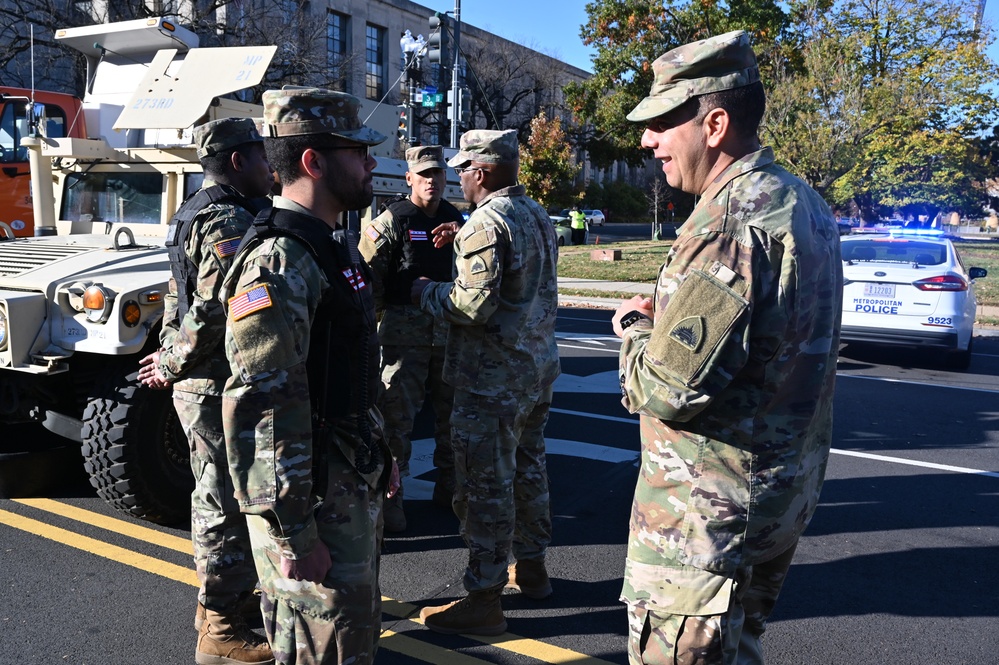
pixel 24 113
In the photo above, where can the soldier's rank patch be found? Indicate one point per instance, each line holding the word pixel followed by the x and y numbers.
pixel 372 233
pixel 354 279
pixel 227 247
pixel 689 332
pixel 415 234
pixel 246 303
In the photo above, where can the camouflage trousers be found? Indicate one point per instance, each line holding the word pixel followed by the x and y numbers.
pixel 407 374
pixel 218 530
pixel 733 638
pixel 501 494
pixel 339 620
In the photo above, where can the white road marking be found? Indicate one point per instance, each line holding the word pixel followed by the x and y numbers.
pixel 914 383
pixel 422 461
pixel 606 383
pixel 909 462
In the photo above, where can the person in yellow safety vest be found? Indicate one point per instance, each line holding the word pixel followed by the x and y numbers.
pixel 577 222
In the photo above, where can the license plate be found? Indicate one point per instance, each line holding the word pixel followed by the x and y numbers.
pixel 880 290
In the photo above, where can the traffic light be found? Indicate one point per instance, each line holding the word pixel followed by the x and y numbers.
pixel 405 123
pixel 437 42
pixel 463 107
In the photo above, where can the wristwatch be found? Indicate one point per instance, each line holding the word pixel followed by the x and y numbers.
pixel 631 318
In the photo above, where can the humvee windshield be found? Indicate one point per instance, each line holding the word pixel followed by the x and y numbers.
pixel 118 197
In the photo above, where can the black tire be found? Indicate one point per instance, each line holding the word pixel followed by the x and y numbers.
pixel 135 451
pixel 561 241
pixel 960 360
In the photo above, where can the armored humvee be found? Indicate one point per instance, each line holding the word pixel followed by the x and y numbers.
pixel 82 301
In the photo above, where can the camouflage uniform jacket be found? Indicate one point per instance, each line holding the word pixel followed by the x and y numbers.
pixel 734 381
pixel 503 302
pixel 193 356
pixel 400 324
pixel 267 414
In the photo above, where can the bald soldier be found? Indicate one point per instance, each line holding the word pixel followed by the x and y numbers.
pixel 306 455
pixel 502 359
pixel 731 366
pixel 412 237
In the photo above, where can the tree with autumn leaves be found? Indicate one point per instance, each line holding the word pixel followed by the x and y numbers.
pixel 877 104
pixel 548 168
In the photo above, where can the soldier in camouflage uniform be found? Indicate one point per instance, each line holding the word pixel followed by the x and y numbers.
pixel 502 359
pixel 203 238
pixel 412 238
pixel 306 453
pixel 731 365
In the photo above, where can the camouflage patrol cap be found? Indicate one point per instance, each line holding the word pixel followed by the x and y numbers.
pixel 710 65
pixel 490 146
pixel 425 157
pixel 218 136
pixel 302 111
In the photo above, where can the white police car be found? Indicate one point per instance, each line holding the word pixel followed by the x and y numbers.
pixel 909 288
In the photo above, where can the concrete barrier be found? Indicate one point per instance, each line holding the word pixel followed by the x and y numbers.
pixel 605 255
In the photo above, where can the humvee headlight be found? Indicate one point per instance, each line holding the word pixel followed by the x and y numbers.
pixel 130 314
pixel 3 329
pixel 97 302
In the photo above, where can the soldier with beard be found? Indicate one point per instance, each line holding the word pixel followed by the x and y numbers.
pixel 306 454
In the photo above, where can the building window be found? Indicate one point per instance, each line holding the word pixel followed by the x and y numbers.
pixel 337 49
pixel 374 56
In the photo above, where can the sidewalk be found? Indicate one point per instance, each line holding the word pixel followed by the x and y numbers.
pixel 648 289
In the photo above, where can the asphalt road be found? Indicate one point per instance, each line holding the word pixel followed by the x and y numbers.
pixel 898 566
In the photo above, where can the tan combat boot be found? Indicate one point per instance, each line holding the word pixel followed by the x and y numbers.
pixel 249 608
pixel 478 613
pixel 395 517
pixel 227 640
pixel 529 577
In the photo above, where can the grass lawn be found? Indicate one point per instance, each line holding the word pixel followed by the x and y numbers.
pixel 640 262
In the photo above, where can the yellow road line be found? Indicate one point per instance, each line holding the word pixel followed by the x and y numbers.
pixel 542 651
pixel 176 543
pixel 546 653
pixel 430 653
pixel 100 548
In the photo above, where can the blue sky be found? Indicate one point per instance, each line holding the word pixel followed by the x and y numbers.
pixel 552 26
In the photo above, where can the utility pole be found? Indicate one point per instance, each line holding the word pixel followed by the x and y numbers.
pixel 456 73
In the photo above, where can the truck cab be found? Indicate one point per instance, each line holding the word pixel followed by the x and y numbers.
pixel 24 113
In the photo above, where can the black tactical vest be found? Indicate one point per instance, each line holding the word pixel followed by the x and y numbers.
pixel 185 273
pixel 418 256
pixel 342 365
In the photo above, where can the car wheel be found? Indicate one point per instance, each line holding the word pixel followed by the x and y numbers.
pixel 960 360
pixel 561 241
pixel 135 450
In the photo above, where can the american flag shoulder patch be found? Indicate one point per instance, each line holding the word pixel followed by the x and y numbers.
pixel 415 234
pixel 372 233
pixel 227 247
pixel 250 301
pixel 354 278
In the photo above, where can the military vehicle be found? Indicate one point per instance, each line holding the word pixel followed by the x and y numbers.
pixel 82 301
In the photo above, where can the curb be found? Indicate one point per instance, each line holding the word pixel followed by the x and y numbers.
pixel 613 303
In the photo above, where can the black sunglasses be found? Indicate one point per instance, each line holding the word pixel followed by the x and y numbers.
pixel 360 147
